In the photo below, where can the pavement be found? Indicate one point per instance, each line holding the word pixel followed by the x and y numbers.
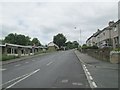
pixel 105 74
pixel 54 70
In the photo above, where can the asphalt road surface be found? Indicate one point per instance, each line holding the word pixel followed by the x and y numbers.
pixel 55 70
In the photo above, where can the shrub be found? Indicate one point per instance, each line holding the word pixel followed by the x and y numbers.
pixel 5 57
pixel 116 49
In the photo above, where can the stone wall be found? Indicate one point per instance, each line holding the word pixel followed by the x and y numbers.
pixel 115 56
pixel 101 54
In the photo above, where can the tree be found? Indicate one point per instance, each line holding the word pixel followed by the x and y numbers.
pixel 69 45
pixel 17 39
pixel 2 41
pixel 59 40
pixel 36 42
pixel 10 38
pixel 75 44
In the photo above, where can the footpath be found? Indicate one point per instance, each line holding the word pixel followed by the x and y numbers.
pixel 105 74
pixel 20 59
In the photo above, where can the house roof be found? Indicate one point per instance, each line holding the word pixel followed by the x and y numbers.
pixel 52 44
pixel 15 45
pixel 22 46
pixel 106 28
pixel 2 45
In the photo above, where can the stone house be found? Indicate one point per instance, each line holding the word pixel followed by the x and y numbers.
pixel 108 37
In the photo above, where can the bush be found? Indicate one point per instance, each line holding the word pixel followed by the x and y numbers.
pixel 90 47
pixel 116 49
pixel 5 57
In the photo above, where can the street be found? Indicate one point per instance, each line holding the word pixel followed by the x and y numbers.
pixel 54 70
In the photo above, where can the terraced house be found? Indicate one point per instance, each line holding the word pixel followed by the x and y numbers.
pixel 108 37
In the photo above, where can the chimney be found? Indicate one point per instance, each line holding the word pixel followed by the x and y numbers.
pixel 98 30
pixel 111 23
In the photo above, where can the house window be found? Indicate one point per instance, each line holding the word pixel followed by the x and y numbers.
pixel 115 29
pixel 104 34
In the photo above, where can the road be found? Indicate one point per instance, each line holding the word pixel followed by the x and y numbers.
pixel 55 70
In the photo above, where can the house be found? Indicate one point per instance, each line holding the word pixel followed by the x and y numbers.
pixel 52 46
pixel 108 37
pixel 115 34
pixel 94 39
pixel 19 50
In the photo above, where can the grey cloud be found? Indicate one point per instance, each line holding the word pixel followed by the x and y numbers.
pixel 44 20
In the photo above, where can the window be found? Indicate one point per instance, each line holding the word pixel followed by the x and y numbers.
pixel 115 29
pixel 104 34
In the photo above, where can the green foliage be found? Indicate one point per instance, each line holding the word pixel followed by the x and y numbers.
pixel 59 40
pixel 36 42
pixel 20 39
pixel 72 45
pixel 69 45
pixel 2 41
pixel 5 58
pixel 116 49
pixel 84 46
pixel 10 38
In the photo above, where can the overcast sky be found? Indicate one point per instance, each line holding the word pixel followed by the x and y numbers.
pixel 46 19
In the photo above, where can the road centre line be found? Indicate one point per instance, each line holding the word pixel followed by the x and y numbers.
pixel 17 65
pixel 1 69
pixel 49 63
pixel 23 78
pixel 26 62
pixel 14 79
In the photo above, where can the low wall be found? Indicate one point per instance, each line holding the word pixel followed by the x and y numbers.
pixel 115 56
pixel 101 54
pixel 104 54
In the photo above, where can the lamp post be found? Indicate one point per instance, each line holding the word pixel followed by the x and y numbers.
pixel 80 43
pixel 79 34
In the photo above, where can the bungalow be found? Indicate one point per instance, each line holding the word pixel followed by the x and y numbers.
pixel 52 46
pixel 19 50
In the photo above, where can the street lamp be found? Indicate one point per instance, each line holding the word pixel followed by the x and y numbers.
pixel 80 43
pixel 79 34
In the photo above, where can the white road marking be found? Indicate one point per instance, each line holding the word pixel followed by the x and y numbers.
pixel 90 77
pixel 64 81
pixel 23 78
pixel 49 63
pixel 1 69
pixel 94 84
pixel 13 79
pixel 88 73
pixel 86 70
pixel 17 65
pixel 26 62
pixel 76 83
pixel 80 84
